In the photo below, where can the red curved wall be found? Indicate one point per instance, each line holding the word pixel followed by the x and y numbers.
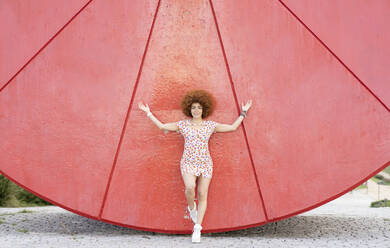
pixel 73 134
pixel 356 32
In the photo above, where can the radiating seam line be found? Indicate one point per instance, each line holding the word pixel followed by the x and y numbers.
pixel 238 108
pixel 353 74
pixel 128 111
pixel 46 44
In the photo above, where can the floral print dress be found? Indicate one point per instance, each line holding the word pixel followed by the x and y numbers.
pixel 196 157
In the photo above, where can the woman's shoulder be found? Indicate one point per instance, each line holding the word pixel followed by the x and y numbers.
pixel 212 122
pixel 182 122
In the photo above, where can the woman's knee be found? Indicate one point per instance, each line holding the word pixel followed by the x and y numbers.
pixel 202 195
pixel 190 189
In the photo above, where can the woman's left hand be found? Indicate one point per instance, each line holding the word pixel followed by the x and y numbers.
pixel 246 106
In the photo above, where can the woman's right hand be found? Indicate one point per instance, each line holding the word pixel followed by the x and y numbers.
pixel 144 107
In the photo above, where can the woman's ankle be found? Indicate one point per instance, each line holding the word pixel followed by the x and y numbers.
pixel 198 225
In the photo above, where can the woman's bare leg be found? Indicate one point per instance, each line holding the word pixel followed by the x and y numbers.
pixel 189 183
pixel 203 188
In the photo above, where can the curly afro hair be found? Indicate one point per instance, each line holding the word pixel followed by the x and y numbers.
pixel 200 96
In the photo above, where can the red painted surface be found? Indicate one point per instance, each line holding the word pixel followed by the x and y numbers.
pixel 62 116
pixel 72 132
pixel 184 53
pixel 27 25
pixel 357 32
pixel 318 131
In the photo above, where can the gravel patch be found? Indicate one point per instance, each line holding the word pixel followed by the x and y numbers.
pixel 344 222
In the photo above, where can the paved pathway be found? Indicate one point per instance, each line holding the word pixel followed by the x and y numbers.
pixel 345 222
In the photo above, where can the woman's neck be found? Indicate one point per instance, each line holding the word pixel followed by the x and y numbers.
pixel 196 120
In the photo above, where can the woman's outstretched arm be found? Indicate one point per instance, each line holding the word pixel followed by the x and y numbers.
pixel 228 128
pixel 167 126
pixel 236 124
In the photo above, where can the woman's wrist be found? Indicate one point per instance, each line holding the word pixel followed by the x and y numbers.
pixel 148 114
pixel 243 113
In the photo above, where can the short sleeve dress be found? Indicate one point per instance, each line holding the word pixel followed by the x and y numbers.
pixel 196 157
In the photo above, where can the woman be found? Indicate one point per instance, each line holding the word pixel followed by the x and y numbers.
pixel 196 160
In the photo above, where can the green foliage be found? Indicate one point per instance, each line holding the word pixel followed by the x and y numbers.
pixel 26 197
pixel 380 204
pixel 11 195
pixel 380 179
pixel 25 211
pixel 4 190
pixel 24 230
pixel 387 169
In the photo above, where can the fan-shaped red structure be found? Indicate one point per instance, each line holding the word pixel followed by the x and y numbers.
pixel 72 133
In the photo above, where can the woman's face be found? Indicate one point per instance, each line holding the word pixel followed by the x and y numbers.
pixel 196 110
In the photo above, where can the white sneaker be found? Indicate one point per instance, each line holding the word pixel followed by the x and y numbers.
pixel 193 213
pixel 196 233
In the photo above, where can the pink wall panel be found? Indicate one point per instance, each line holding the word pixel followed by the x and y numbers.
pixel 73 133
pixel 357 31
pixel 184 54
pixel 63 114
pixel 314 131
pixel 26 26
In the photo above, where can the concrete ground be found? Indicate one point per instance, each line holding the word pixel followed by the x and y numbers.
pixel 345 222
